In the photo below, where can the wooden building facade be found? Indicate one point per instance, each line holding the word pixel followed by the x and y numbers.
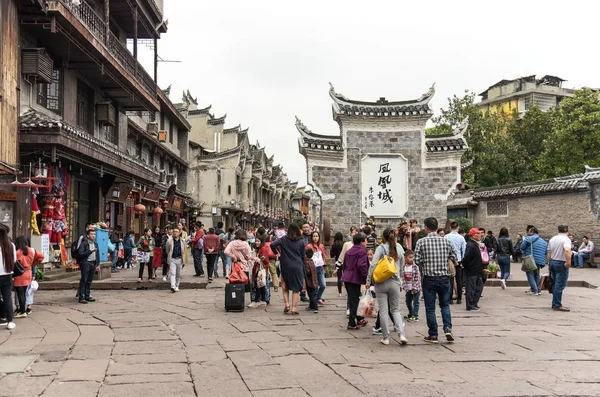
pixel 83 96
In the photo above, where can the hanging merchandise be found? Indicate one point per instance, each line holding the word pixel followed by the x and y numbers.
pixel 35 210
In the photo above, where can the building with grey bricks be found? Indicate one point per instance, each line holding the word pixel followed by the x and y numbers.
pixel 380 163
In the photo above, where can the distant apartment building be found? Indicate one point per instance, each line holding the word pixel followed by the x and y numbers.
pixel 519 94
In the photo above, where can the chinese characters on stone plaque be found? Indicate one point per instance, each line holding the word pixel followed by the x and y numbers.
pixel 384 185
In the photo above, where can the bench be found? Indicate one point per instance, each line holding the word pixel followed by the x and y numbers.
pixel 592 262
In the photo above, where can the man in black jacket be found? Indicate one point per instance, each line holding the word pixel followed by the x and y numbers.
pixel 473 267
pixel 89 262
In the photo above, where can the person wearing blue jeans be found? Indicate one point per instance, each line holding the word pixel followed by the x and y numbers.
pixel 437 287
pixel 560 274
pixel 534 245
pixel 585 251
pixel 432 254
pixel 534 280
pixel 559 254
pixel 322 285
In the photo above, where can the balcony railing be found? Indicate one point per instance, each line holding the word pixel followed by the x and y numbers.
pixel 95 24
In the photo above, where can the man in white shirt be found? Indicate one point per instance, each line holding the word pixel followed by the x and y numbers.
pixel 559 254
pixel 585 251
pixel 460 245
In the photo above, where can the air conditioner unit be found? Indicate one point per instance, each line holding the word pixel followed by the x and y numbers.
pixel 37 63
pixel 106 113
pixel 152 128
pixel 162 135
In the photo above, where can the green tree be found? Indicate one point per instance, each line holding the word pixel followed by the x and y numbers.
pixel 527 135
pixel 490 146
pixel 575 137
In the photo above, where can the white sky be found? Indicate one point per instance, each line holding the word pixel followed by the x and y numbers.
pixel 262 62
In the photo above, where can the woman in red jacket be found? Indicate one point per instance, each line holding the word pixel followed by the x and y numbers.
pixel 28 257
pixel 211 250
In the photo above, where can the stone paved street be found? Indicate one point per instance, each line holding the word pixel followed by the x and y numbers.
pixel 155 343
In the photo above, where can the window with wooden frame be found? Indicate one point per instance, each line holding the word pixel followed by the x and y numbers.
pixel 110 134
pixel 85 107
pixel 50 95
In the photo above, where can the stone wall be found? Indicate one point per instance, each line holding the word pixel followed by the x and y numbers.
pixel 579 210
pixel 424 183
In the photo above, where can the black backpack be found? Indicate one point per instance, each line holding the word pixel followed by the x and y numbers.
pixel 75 249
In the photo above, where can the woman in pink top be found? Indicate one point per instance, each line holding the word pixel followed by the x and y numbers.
pixel 239 251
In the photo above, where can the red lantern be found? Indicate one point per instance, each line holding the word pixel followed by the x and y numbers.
pixel 139 208
pixel 157 211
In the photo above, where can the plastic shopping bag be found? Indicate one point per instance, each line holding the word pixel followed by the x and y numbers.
pixel 375 302
pixel 366 305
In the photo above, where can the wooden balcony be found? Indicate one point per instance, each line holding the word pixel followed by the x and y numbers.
pixel 83 26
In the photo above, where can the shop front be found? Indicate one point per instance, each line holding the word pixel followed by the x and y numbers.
pixel 174 209
pixel 115 207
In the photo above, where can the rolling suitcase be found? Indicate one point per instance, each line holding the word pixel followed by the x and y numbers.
pixel 234 297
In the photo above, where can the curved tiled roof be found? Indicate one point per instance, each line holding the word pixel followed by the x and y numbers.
pixel 206 110
pixel 444 145
pixel 382 107
pixel 33 119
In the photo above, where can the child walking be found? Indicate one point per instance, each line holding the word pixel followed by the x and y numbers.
pixel 411 283
pixel 311 281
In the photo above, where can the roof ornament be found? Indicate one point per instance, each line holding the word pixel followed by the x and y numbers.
pixel 299 123
pixel 167 90
pixel 332 92
pixel 428 95
pixel 191 99
pixel 461 127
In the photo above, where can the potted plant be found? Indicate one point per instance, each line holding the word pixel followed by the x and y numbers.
pixel 492 269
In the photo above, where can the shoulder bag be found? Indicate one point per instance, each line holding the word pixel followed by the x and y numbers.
pixel 452 268
pixel 385 269
pixel 18 269
pixel 528 261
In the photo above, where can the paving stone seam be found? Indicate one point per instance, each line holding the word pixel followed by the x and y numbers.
pixel 236 367
pixel 188 362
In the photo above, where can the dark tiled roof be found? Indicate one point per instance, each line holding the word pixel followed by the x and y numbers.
pixel 219 120
pixel 444 145
pixel 200 111
pixel 382 107
pixel 460 201
pixel 322 145
pixel 530 189
pixel 34 120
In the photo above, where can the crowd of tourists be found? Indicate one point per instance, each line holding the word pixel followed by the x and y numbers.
pixel 432 265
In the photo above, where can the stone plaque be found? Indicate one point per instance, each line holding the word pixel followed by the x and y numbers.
pixel 384 184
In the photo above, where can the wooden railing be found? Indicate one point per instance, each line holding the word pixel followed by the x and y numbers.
pixel 95 24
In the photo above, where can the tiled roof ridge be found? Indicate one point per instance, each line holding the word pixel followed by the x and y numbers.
pixel 32 118
pixel 422 100
pixel 205 110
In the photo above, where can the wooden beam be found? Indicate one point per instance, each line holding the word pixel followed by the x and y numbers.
pixel 155 60
pixel 135 31
pixel 107 19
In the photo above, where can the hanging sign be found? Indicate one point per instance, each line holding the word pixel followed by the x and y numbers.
pixel 384 184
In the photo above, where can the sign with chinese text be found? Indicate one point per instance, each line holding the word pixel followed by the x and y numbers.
pixel 384 184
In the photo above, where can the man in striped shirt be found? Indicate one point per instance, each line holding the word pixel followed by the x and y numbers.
pixel 432 254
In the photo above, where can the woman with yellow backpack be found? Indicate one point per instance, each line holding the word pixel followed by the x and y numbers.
pixel 384 274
